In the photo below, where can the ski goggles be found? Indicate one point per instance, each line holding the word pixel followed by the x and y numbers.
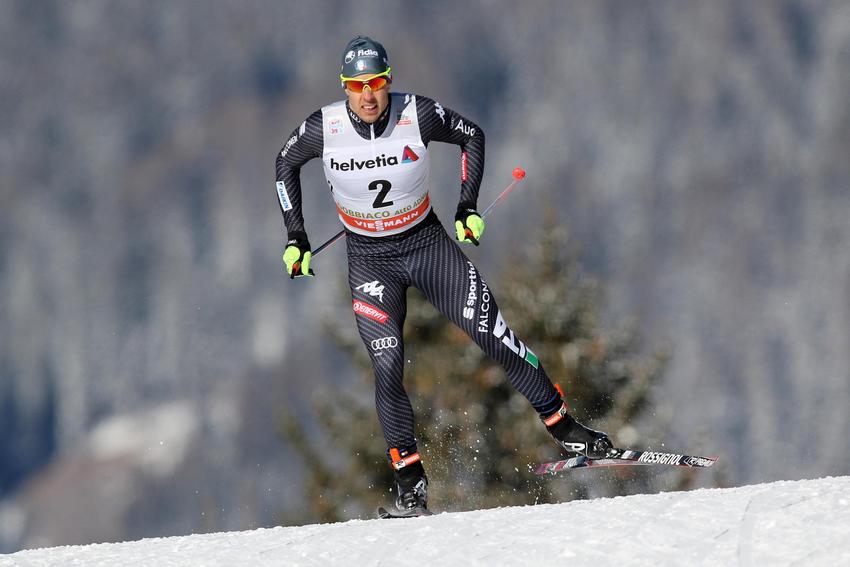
pixel 375 82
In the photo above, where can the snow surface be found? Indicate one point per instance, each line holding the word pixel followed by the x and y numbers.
pixel 783 523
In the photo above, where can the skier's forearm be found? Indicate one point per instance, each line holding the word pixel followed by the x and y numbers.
pixel 472 169
pixel 304 144
pixel 288 185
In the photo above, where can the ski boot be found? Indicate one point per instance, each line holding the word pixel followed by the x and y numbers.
pixel 575 437
pixel 411 486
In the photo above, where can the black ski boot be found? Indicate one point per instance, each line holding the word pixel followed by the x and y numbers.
pixel 411 486
pixel 575 437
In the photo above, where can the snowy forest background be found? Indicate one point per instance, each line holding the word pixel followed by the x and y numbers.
pixel 695 152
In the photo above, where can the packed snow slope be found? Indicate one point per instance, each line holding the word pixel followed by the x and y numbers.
pixel 783 523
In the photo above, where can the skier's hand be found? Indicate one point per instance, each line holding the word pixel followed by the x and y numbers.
pixel 297 256
pixel 469 225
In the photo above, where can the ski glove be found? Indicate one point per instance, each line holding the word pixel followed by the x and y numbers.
pixel 469 225
pixel 297 256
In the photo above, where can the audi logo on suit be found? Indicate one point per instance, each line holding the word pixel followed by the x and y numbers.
pixel 386 342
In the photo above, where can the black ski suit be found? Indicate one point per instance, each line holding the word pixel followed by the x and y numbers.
pixel 382 267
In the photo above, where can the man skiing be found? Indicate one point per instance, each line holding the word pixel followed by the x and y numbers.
pixel 374 149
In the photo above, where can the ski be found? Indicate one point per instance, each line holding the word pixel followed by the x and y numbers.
pixel 626 457
pixel 411 513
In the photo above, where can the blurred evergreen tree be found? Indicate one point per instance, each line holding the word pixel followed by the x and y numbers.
pixel 478 435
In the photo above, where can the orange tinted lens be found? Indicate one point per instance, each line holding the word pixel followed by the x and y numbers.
pixel 355 86
pixel 375 84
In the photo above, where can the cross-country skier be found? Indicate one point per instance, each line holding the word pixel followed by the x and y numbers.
pixel 374 149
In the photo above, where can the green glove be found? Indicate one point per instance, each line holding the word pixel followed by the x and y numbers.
pixel 297 256
pixel 469 225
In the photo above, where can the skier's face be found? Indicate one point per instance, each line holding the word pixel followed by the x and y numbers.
pixel 369 104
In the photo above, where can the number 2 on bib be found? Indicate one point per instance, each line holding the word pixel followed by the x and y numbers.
pixel 382 186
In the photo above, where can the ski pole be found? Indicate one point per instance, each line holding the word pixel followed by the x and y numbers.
pixel 333 239
pixel 518 174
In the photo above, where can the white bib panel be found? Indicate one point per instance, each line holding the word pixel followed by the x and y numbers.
pixel 380 186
